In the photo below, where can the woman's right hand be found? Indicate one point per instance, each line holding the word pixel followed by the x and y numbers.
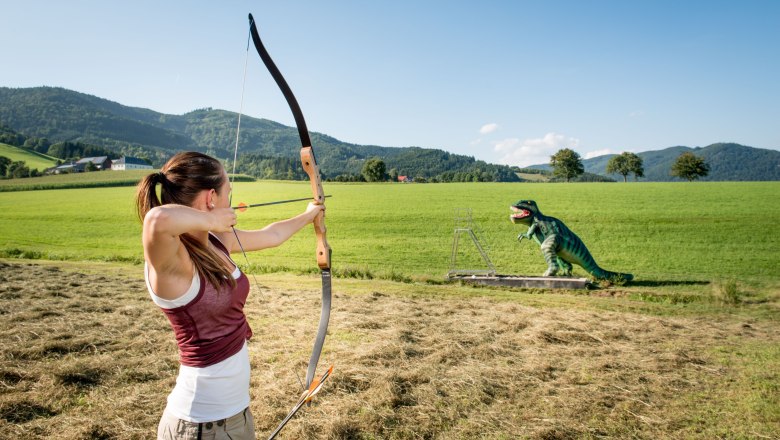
pixel 223 219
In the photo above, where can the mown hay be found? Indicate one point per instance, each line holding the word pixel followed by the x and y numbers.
pixel 96 359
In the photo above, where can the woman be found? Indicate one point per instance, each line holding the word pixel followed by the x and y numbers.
pixel 188 237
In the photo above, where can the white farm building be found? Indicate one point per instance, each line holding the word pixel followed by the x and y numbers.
pixel 130 163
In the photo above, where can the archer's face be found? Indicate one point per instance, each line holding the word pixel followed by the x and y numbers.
pixel 223 193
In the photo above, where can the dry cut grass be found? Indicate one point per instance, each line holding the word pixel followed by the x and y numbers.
pixel 88 356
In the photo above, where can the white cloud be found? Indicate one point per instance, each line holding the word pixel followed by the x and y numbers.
pixel 514 151
pixel 488 128
pixel 597 153
pixel 506 145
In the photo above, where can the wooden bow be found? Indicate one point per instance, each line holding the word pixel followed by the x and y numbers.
pixel 323 249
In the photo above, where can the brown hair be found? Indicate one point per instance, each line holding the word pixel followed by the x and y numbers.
pixel 181 179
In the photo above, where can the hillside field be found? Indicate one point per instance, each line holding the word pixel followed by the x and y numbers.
pixel 691 349
pixel 31 158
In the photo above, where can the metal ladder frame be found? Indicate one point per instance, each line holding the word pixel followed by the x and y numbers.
pixel 464 223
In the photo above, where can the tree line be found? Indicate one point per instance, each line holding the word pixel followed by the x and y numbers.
pixel 567 164
pixel 420 165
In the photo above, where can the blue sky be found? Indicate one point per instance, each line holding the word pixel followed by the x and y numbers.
pixel 503 81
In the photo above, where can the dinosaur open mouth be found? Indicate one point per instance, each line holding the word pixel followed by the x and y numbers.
pixel 519 213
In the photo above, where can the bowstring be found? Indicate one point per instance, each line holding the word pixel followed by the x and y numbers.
pixel 235 151
pixel 240 111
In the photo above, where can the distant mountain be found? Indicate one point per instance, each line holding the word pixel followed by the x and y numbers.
pixel 727 161
pixel 269 149
pixel 60 115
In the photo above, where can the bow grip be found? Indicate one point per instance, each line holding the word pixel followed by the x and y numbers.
pixel 313 171
pixel 323 249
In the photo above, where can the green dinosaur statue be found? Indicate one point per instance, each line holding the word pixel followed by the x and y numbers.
pixel 560 246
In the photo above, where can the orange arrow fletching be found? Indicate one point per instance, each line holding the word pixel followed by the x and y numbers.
pixel 241 207
pixel 316 385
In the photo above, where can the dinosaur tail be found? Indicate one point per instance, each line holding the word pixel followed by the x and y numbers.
pixel 581 255
pixel 615 277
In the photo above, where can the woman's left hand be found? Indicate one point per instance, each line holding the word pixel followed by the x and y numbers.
pixel 313 210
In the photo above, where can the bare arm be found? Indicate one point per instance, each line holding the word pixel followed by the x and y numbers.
pixel 272 235
pixel 169 263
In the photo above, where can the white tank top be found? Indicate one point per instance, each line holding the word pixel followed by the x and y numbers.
pixel 210 393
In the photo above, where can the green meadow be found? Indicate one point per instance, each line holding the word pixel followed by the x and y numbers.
pixel 687 350
pixel 657 231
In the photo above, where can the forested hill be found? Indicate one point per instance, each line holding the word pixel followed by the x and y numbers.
pixel 727 161
pixel 268 149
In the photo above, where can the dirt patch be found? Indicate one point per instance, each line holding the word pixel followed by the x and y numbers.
pixel 83 354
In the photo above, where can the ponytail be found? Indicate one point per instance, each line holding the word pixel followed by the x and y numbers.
pixel 146 194
pixel 180 180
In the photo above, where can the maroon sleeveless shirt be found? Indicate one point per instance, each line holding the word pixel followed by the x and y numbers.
pixel 212 327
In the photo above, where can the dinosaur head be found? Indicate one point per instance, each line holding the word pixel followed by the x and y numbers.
pixel 523 212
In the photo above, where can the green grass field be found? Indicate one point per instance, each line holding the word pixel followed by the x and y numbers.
pixel 31 158
pixel 688 350
pixel 657 231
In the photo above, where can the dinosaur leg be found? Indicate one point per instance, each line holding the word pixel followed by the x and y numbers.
pixel 565 267
pixel 549 247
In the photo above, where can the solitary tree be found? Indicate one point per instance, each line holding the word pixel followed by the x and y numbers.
pixel 625 164
pixel 374 170
pixel 636 165
pixel 566 163
pixel 690 166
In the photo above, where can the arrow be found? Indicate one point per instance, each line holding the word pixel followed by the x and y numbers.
pixel 306 397
pixel 243 207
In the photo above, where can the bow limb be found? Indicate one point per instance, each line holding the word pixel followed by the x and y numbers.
pixel 312 170
pixel 306 397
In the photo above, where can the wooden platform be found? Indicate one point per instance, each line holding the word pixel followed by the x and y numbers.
pixel 527 282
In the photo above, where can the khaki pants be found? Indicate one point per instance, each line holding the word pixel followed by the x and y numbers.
pixel 238 427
